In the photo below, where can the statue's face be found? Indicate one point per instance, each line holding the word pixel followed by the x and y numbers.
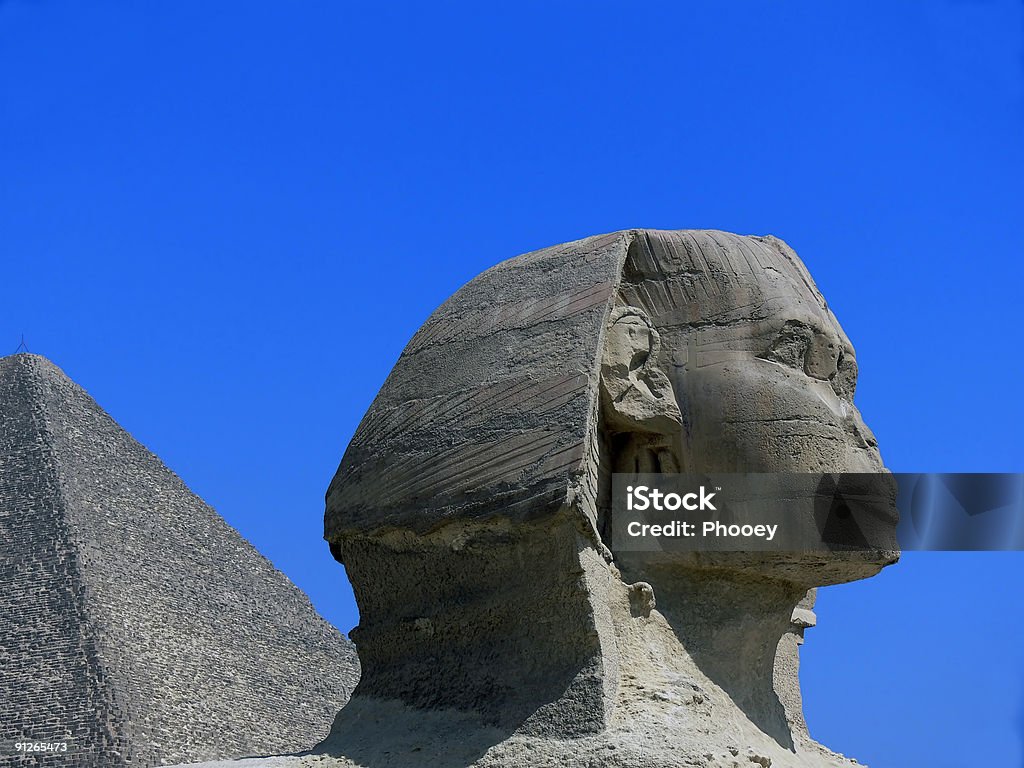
pixel 761 371
pixel 774 394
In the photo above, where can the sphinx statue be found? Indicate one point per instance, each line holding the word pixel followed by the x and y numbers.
pixel 498 625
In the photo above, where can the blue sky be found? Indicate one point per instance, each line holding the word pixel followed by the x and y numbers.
pixel 225 220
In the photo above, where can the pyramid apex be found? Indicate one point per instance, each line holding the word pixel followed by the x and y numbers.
pixel 21 368
pixel 28 358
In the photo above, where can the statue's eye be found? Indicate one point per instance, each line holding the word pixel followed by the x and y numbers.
pixel 819 355
pixel 791 345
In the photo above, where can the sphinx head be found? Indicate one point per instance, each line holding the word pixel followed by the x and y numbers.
pixel 471 508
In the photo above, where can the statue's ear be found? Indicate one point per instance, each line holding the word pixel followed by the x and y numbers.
pixel 636 394
pixel 629 340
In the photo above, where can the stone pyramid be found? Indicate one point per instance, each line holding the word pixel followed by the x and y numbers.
pixel 136 626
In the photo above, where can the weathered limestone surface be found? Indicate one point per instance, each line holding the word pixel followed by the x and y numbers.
pixel 491 402
pixel 498 626
pixel 138 626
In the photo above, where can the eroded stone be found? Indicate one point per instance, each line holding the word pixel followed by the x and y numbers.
pixel 475 493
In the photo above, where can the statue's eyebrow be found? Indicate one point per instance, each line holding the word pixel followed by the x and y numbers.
pixel 817 325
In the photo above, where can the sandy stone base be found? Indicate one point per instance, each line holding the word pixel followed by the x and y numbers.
pixel 418 739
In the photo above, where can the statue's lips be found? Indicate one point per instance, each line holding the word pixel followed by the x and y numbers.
pixel 840 502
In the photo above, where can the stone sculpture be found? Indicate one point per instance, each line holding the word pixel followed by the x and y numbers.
pixel 498 625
